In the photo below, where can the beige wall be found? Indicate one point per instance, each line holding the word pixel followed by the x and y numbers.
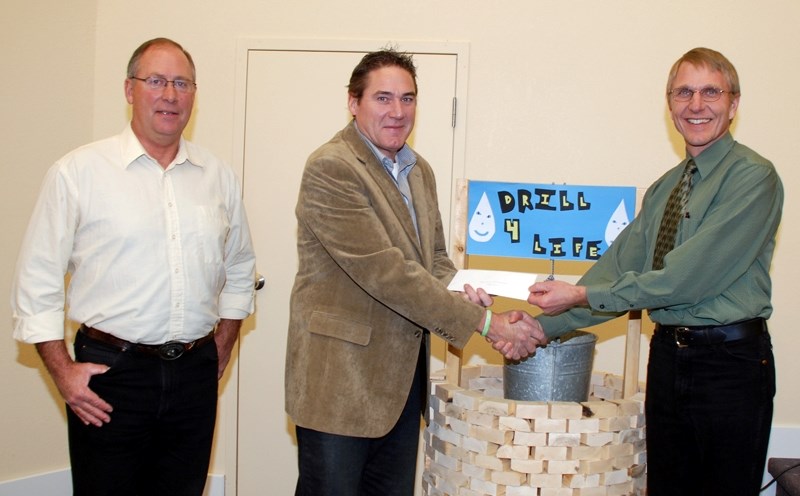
pixel 47 107
pixel 558 91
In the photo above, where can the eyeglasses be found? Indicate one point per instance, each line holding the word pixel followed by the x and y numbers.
pixel 160 83
pixel 708 94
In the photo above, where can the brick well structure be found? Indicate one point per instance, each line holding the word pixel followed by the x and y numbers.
pixel 479 443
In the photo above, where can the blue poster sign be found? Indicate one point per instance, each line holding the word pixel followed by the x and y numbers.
pixel 546 220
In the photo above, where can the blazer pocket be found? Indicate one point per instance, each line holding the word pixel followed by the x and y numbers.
pixel 334 326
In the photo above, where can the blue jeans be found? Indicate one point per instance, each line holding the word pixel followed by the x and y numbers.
pixel 334 465
pixel 709 414
pixel 158 442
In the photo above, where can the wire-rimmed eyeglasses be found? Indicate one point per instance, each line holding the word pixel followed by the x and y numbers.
pixel 708 94
pixel 160 83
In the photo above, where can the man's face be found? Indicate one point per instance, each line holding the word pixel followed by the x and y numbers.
pixel 160 115
pixel 386 112
pixel 701 123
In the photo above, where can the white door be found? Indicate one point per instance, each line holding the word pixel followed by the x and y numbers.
pixel 294 100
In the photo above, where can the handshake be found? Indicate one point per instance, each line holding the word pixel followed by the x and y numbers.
pixel 515 334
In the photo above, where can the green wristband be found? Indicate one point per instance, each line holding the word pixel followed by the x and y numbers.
pixel 488 323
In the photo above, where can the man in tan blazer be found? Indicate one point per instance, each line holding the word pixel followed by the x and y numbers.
pixel 371 287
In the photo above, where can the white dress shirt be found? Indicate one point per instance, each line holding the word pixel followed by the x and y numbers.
pixel 153 254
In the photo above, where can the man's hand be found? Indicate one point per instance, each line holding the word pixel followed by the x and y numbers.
pixel 72 381
pixel 225 336
pixel 554 297
pixel 515 334
pixel 478 296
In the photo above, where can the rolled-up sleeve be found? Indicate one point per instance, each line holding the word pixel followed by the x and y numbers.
pixel 237 299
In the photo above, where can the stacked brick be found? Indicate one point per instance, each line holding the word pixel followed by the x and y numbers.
pixel 479 444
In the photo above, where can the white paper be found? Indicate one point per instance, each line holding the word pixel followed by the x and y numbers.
pixel 501 282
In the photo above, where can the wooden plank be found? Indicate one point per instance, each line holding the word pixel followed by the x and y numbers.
pixel 458 251
pixel 630 378
pixel 458 234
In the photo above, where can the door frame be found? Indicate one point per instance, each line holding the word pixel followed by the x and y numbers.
pixel 458 48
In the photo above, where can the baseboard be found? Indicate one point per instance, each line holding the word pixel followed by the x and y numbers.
pixel 59 483
pixel 56 483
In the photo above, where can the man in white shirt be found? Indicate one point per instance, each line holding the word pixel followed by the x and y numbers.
pixel 152 230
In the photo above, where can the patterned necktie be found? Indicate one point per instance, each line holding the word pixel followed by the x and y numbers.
pixel 676 205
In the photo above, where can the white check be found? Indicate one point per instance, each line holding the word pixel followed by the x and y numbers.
pixel 502 283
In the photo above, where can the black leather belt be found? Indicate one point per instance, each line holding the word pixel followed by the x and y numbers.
pixel 684 336
pixel 170 350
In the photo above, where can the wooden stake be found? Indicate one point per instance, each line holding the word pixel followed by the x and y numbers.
pixel 458 253
pixel 630 379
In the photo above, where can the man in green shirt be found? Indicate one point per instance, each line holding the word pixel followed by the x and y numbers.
pixel 711 375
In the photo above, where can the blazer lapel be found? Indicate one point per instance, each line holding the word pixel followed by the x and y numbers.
pixel 423 208
pixel 396 200
pixel 383 179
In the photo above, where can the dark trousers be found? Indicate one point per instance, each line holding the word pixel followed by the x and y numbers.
pixel 334 465
pixel 158 442
pixel 709 414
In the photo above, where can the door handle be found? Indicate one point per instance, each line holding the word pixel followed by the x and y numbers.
pixel 259 281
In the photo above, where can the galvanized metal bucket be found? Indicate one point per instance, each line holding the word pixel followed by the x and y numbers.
pixel 560 371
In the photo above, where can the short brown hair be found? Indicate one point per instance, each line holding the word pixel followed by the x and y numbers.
pixel 133 63
pixel 386 57
pixel 706 57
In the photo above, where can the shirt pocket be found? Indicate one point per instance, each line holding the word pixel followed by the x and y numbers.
pixel 211 231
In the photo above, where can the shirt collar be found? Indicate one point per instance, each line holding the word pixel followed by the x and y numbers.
pixel 406 158
pixel 713 155
pixel 132 150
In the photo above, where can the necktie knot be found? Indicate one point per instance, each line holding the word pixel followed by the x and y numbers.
pixel 690 168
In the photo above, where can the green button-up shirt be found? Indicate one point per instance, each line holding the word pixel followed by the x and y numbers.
pixel 718 272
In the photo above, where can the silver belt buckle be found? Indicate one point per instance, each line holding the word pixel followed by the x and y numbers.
pixel 171 350
pixel 676 333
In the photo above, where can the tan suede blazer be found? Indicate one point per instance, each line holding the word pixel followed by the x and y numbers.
pixel 365 292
